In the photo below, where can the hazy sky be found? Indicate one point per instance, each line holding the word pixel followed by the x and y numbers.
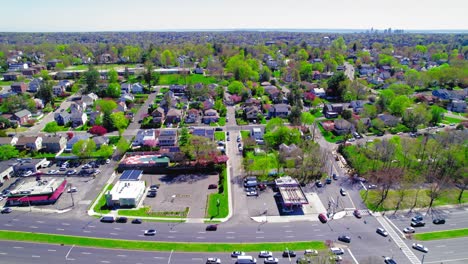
pixel 113 15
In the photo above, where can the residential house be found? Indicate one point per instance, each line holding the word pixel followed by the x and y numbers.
pixel 458 106
pixel 89 99
pixel 342 127
pixel 54 144
pixel 143 136
pixel 21 117
pixel 445 94
pixel 204 132
pixel 272 64
pixel 33 143
pixel 137 88
pixel 389 120
pixel 62 118
pixel 167 137
pixel 13 67
pixel 126 88
pixel 34 85
pixel 6 170
pixel 357 106
pixel 279 110
pixel 79 106
pixel 208 104
pixel 8 141
pixel 273 92
pixel 100 140
pixel 121 107
pixel 67 84
pixel 366 69
pixel 19 87
pixel 173 116
pixel 192 116
pixel 332 110
pixel 177 89
pixel 252 112
pixel 52 63
pixel 126 97
pixel 320 92
pixel 158 115
pixel 78 118
pixel 198 70
pixel 291 151
pixel 210 116
pixel 75 139
pixel 58 90
pixel 11 76
pixel 93 117
pixel 257 133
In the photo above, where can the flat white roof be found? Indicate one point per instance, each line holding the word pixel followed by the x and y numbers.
pixel 293 195
pixel 127 189
pixel 286 181
pixel 30 186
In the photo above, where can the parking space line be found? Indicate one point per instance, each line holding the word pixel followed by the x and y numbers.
pixel 197 259
pixel 290 236
pixel 18 247
pixel 8 225
pixel 172 231
pixel 159 257
pixel 86 253
pixel 34 227
pixel 352 256
pixel 65 224
pixel 105 261
pixel 114 234
pixel 60 229
pixel 3 253
pixel 171 237
pixel 86 231
pixel 397 229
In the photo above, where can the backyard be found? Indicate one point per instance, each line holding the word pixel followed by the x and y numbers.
pixel 169 79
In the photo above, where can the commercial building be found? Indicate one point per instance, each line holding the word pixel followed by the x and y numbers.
pixel 6 170
pixel 36 192
pixel 128 191
pixel 291 192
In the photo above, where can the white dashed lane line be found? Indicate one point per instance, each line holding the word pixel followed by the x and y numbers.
pixel 35 256
pixel 52 250
pixel 18 247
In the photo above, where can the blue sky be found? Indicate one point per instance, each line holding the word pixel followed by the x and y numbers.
pixel 115 15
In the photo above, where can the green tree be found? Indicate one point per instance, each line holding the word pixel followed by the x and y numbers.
pixel 437 114
pixel 133 53
pixel 399 105
pixel 122 146
pixel 307 118
pixel 400 89
pixel 369 111
pixel 113 90
pixel 8 152
pixel 45 93
pixel 418 115
pixel 378 124
pixel 105 151
pixel 265 74
pixel 305 71
pixel 84 148
pixel 337 84
pixel 184 136
pixel 273 124
pixel 91 78
pixel 113 76
pixel 235 87
pixel 106 106
pixel 385 99
pixel 167 58
pixel 282 134
pixel 119 121
pixel 148 75
pixel 302 55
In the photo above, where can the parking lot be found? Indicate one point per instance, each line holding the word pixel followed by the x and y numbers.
pixel 176 192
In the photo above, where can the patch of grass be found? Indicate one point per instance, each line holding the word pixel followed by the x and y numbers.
pixel 329 136
pixel 101 207
pixel 445 198
pixel 156 246
pixel 6 83
pixel 446 234
pixel 245 134
pixel 14 130
pixel 167 79
pixel 100 67
pixel 113 140
pixel 450 120
pixel 141 96
pixel 163 90
pixel 261 162
pixel 146 211
pixel 219 135
pixel 221 122
pixel 221 211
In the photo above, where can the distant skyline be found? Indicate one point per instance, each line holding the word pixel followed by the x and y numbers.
pixel 158 15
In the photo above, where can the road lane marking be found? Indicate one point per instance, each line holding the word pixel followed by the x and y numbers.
pixel 441 246
pixel 259 232
pixel 352 256
pixel 91 226
pixel 35 256
pixel 230 237
pixel 172 231
pixel 197 259
pixel 114 234
pixel 60 229
pixel 171 237
pixel 86 253
pixel 65 224
pixel 3 253
pixel 200 237
pixel 201 232
pixel 18 247
pixel 288 231
pixel 8 225
pixel 444 261
pixel 290 236
pixel 40 222
pixel 105 261
pixel 86 231
pixel 122 256
pixel 51 250
pixel 230 232
pixel 34 227
pixel 259 237
pixel 159 257
pixel 117 228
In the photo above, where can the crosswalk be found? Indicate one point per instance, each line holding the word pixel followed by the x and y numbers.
pixel 400 243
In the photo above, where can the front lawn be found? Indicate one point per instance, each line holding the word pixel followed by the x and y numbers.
pixel 101 207
pixel 221 122
pixel 447 197
pixel 265 162
pixel 245 134
pixel 446 234
pixel 451 120
pixel 220 136
pixel 214 210
pixel 329 136
pixel 146 211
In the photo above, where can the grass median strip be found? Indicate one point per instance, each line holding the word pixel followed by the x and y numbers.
pixel 455 233
pixel 155 246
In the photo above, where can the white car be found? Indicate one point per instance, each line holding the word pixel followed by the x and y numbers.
pixel 382 232
pixel 52 172
pixel 271 260
pixel 420 248
pixel 213 261
pixel 408 230
pixel 72 190
pixel 310 252
pixel 27 173
pixel 70 172
pixel 265 254
pixel 150 232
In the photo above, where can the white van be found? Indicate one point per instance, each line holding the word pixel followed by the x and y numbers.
pixel 337 250
pixel 246 260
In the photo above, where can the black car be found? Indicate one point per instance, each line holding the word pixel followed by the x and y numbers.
pixel 121 219
pixel 346 239
pixel 319 184
pixel 418 224
pixel 289 253
pixel 417 218
pixel 212 228
pixel 438 221
pixel 335 177
pixel 328 181
pixel 137 221
pixel 151 194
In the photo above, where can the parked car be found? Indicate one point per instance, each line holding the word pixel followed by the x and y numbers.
pixel 289 253
pixel 213 261
pixel 310 252
pixel 137 221
pixel 212 228
pixel 337 251
pixel 382 232
pixel 265 254
pixel 346 239
pixel 271 260
pixel 212 186
pixel 262 187
pixel 151 194
pixel 420 248
pixel 52 172
pixel 335 177
pixel 389 260
pixel 70 172
pixel 328 181
pixel 438 221
pixel 357 214
pixel 150 232
pixel 154 186
pixel 63 169
pixel 417 218
pixel 336 258
pixel 6 210
pixel 235 254
pixel 343 192
pixel 372 186
pixel 72 190
pixel 121 219
pixel 319 184
pixel 418 224
pixel 408 230
pixel 323 218
pixel 251 193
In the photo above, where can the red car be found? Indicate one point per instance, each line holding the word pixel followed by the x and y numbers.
pixel 323 218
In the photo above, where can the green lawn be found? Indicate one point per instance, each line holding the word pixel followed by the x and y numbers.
pixel 221 211
pixel 245 134
pixel 6 83
pixel 446 197
pixel 221 122
pixel 219 135
pixel 100 207
pixel 264 162
pixel 447 234
pixel 450 120
pixel 100 67
pixel 14 130
pixel 146 211
pixel 167 79
pixel 155 246
pixel 329 136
